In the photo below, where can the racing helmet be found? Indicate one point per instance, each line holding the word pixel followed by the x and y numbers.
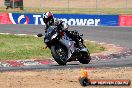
pixel 48 18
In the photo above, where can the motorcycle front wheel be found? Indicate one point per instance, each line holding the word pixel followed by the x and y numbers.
pixel 60 54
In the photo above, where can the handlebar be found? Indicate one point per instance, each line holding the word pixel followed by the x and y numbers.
pixel 40 35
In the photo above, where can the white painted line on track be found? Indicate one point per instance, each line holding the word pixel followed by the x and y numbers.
pixel 18 34
pixel 5 33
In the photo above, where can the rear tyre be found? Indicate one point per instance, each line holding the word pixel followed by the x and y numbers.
pixel 84 57
pixel 60 54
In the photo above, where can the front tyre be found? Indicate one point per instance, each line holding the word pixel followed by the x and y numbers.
pixel 59 53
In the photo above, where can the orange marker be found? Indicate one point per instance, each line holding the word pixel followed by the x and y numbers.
pixel 84 73
pixel 85 81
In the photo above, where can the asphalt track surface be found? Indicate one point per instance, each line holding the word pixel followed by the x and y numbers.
pixel 113 35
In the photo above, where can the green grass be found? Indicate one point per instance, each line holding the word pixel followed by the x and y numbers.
pixel 21 47
pixel 13 47
pixel 72 10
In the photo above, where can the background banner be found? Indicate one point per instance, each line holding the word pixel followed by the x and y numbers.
pixel 125 20
pixel 71 19
pixel 4 18
pixel 89 20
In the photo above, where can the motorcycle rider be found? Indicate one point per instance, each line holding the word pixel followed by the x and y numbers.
pixel 49 20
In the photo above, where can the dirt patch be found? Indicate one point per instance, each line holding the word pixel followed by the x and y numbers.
pixel 110 49
pixel 75 3
pixel 60 78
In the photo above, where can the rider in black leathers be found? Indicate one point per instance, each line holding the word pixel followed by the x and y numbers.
pixel 49 20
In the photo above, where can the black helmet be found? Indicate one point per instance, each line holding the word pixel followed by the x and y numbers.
pixel 48 18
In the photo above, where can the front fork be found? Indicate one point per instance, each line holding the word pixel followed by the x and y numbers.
pixel 66 41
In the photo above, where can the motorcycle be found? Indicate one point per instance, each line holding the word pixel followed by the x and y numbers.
pixel 63 48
